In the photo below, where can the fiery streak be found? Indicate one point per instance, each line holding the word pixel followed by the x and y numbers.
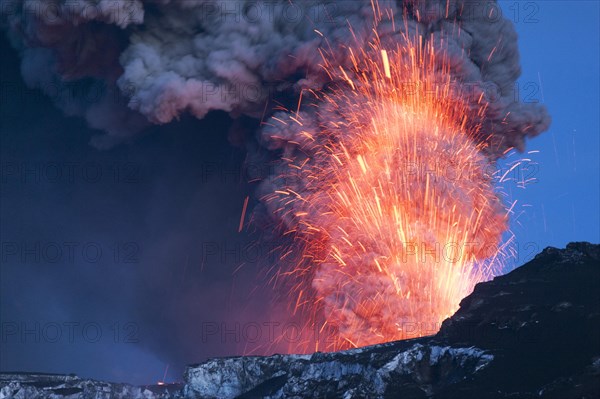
pixel 243 216
pixel 397 215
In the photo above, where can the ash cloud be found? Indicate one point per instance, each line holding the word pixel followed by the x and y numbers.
pixel 160 59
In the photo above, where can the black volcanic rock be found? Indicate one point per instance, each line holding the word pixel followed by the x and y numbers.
pixel 542 323
pixel 532 333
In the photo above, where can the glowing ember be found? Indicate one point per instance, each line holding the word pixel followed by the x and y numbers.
pixel 389 197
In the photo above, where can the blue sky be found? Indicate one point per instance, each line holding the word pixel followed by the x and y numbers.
pixel 559 42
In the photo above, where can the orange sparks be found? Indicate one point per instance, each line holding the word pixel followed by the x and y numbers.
pixel 243 216
pixel 386 64
pixel 391 200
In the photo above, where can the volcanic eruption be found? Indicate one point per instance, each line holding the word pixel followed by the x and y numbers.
pixel 383 174
pixel 385 184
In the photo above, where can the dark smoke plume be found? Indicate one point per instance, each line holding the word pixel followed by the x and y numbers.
pixel 119 59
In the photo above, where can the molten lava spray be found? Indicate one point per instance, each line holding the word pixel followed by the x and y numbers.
pixel 389 196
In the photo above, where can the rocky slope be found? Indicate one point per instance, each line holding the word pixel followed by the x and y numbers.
pixel 534 332
pixel 55 386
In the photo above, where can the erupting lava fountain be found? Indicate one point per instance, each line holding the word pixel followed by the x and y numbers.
pixel 390 197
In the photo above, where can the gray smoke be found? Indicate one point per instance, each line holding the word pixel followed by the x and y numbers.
pixel 111 61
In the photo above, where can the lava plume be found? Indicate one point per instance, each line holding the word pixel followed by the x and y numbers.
pixel 389 196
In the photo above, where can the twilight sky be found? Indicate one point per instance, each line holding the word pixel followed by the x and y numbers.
pixel 559 43
pixel 115 262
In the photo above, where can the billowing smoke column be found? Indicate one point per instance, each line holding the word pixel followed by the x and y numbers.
pixel 385 90
pixel 103 59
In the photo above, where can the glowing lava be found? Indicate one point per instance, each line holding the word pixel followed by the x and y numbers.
pixel 390 198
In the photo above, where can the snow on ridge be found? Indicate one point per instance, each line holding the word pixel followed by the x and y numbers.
pixel 231 377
